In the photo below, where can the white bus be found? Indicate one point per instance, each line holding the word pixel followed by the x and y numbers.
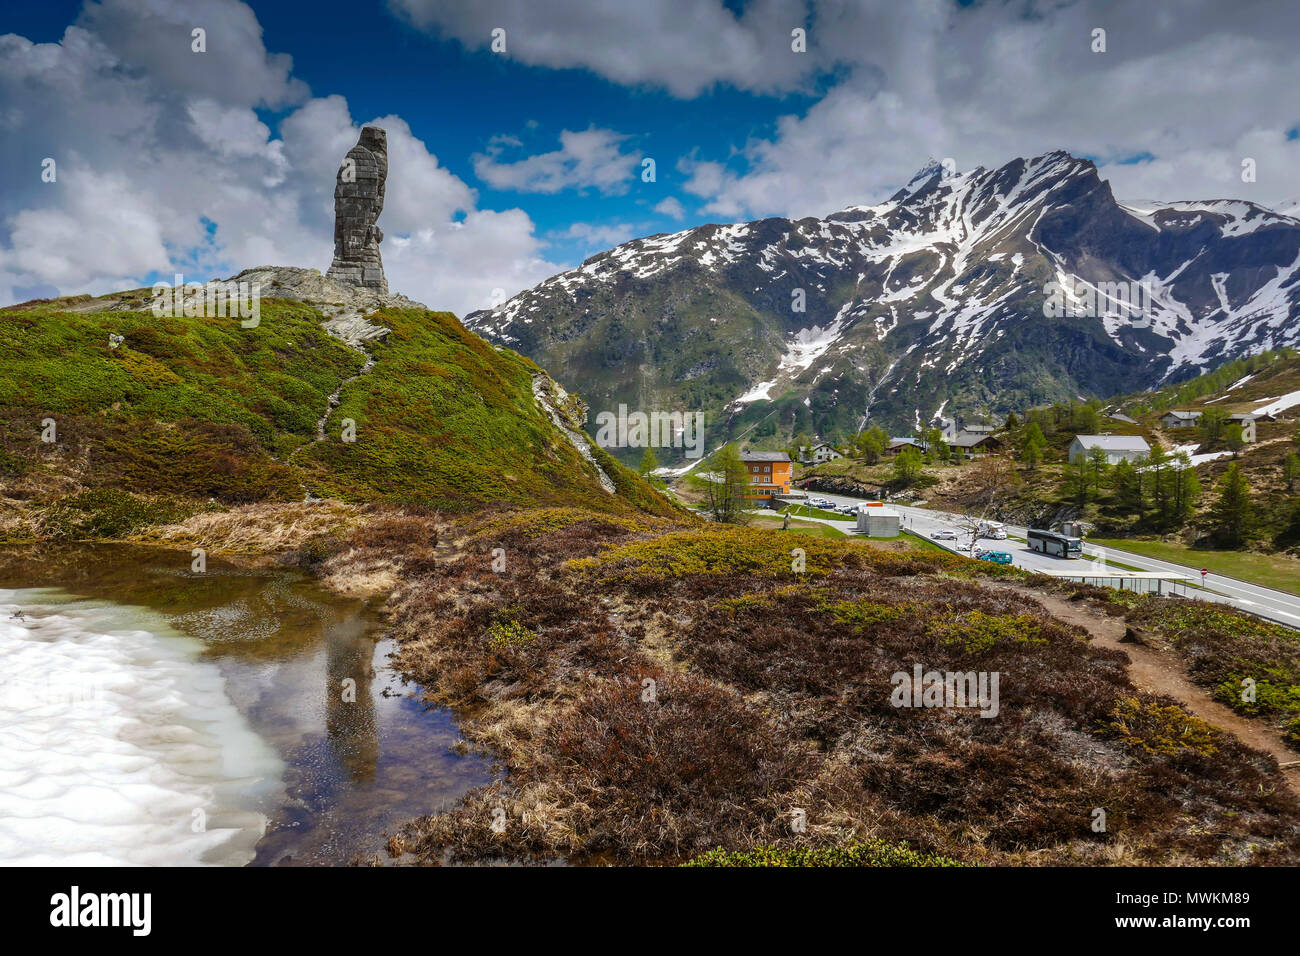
pixel 1057 545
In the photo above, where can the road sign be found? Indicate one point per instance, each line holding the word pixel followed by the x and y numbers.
pixel 1204 572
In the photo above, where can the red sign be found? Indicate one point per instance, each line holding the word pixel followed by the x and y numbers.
pixel 1204 572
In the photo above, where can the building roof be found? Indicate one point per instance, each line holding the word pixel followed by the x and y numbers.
pixel 1113 442
pixel 904 441
pixel 823 444
pixel 969 439
pixel 880 513
pixel 1242 417
pixel 1182 414
pixel 978 429
pixel 764 456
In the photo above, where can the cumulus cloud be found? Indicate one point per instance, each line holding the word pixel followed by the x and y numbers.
pixel 156 38
pixel 1189 96
pixel 685 48
pixel 671 207
pixel 590 158
pixel 600 235
pixel 480 260
pixel 1199 87
pixel 163 165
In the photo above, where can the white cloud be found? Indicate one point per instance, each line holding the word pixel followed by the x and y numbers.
pixel 685 48
pixel 591 158
pixel 155 37
pixel 671 207
pixel 149 159
pixel 488 254
pixel 1199 88
pixel 53 246
pixel 600 235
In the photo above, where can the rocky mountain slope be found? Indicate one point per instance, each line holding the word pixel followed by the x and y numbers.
pixel 932 301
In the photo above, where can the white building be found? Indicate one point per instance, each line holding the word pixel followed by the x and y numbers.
pixel 877 521
pixel 820 453
pixel 947 427
pixel 1117 447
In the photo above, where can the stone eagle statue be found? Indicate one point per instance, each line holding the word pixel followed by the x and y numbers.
pixel 358 201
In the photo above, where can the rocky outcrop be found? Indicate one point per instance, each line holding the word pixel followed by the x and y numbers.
pixel 343 304
pixel 358 201
pixel 568 413
pixel 838 485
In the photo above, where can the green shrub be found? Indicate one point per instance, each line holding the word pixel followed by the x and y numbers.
pixel 1160 729
pixel 976 631
pixel 862 612
pixel 109 513
pixel 316 551
pixel 507 634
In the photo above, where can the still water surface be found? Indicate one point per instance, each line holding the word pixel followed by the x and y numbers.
pixel 156 716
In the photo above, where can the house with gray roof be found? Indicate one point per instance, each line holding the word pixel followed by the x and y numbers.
pixel 1117 447
pixel 1180 419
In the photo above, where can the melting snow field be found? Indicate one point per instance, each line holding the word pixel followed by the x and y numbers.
pixel 1198 459
pixel 1276 407
pixel 113 733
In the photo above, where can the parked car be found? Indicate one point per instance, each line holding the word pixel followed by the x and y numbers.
pixel 944 534
pixel 996 534
pixel 997 557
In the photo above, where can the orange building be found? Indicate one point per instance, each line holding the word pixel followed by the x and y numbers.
pixel 769 473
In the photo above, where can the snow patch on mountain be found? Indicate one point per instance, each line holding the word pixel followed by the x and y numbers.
pixel 953 264
pixel 1277 407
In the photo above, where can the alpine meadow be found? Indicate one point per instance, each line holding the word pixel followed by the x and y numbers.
pixel 512 440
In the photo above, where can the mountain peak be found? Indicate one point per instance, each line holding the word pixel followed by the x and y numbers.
pixel 909 302
pixel 931 169
pixel 925 178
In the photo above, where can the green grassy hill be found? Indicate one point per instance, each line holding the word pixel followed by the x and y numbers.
pixel 185 410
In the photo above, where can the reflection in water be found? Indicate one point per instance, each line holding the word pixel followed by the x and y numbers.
pixel 349 706
pixel 306 669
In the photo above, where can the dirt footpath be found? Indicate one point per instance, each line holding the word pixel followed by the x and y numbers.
pixel 1158 672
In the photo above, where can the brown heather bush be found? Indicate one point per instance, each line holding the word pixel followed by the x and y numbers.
pixel 773 693
pixel 400 531
pixel 1221 647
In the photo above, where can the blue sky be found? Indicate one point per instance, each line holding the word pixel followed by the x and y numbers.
pixel 458 100
pixel 509 167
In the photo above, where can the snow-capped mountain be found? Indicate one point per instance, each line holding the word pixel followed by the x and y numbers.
pixel 970 293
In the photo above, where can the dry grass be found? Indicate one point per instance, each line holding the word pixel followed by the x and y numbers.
pixel 679 691
pixel 16 522
pixel 259 528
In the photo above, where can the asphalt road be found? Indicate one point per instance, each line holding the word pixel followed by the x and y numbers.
pixel 1266 602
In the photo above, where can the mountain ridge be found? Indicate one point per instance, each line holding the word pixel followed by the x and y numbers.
pixel 930 302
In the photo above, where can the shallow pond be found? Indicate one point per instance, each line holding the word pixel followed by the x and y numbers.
pixel 150 714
